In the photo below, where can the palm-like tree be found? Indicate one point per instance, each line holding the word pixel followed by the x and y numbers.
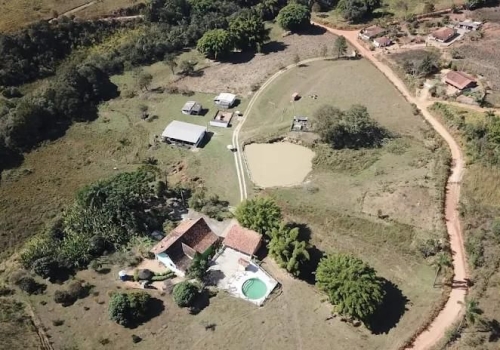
pixel 472 314
pixel 286 248
pixel 442 261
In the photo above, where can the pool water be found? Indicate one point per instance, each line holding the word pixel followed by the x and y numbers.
pixel 254 288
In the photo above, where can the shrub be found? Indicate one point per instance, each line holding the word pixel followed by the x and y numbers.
pixel 45 267
pixel 30 286
pixel 136 339
pixel 57 322
pixel 429 247
pixel 128 309
pixel 5 291
pixel 185 293
pixel 64 298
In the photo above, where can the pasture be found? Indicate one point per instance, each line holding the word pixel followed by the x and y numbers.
pixel 16 14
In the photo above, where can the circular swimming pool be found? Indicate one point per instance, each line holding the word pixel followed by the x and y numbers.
pixel 254 288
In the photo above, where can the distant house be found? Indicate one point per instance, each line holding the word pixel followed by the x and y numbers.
pixel 180 133
pixel 469 25
pixel 443 35
pixel 225 100
pixel 459 80
pixel 222 119
pixel 177 250
pixel 191 108
pixel 383 41
pixel 371 32
pixel 243 240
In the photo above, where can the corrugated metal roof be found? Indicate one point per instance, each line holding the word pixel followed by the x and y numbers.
pixel 226 97
pixel 183 131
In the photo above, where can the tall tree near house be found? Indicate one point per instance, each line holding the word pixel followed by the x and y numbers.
pixel 144 80
pixel 340 46
pixel 286 248
pixel 259 214
pixel 441 262
pixel 170 61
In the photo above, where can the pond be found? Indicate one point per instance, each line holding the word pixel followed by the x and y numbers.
pixel 278 164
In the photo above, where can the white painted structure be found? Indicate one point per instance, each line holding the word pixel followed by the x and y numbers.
pixel 165 260
pixel 225 100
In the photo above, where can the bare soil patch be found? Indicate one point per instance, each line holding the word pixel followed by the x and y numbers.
pixel 278 164
pixel 247 71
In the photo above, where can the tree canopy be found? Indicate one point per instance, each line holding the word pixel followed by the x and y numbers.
pixel 356 11
pixel 348 129
pixel 248 31
pixel 351 285
pixel 184 293
pixel 294 17
pixel 260 214
pixel 287 249
pixel 128 309
pixel 216 43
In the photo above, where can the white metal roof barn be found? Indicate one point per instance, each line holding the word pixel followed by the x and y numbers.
pixel 184 133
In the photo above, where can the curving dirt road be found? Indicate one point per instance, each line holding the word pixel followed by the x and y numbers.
pixel 453 308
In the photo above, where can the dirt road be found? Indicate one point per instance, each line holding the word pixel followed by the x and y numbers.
pixel 453 308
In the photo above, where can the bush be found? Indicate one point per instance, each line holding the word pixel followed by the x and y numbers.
pixel 64 298
pixel 57 322
pixel 46 267
pixel 12 92
pixel 128 309
pixel 185 293
pixel 429 247
pixel 30 286
pixel 5 291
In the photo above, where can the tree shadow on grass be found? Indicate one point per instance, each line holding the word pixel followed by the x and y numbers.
pixel 155 308
pixel 390 312
pixel 201 302
pixel 273 47
pixel 308 270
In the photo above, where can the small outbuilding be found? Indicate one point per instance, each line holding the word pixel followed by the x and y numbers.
pixel 468 25
pixel 383 41
pixel 191 108
pixel 180 133
pixel 222 119
pixel 225 100
pixel 371 32
pixel 300 124
pixel 443 35
pixel 243 240
pixel 459 80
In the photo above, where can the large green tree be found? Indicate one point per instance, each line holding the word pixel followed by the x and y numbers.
pixel 260 214
pixel 351 285
pixel 216 43
pixel 128 309
pixel 348 129
pixel 294 17
pixel 184 293
pixel 357 10
pixel 286 248
pixel 248 31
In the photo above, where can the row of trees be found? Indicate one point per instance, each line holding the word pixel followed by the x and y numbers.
pixel 285 245
pixel 103 217
pixel 353 128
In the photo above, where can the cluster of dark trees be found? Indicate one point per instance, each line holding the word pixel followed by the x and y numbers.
pixel 72 96
pixel 104 216
pixel 354 11
pixel 35 52
pixel 422 66
pixel 353 128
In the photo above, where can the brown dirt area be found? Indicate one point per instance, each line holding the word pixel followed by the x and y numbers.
pixel 239 77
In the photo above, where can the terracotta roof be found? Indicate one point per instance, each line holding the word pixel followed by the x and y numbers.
pixel 242 240
pixel 196 234
pixel 443 34
pixel 459 80
pixel 383 41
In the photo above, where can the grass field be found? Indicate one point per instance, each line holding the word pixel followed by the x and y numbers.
pixel 348 191
pixel 16 14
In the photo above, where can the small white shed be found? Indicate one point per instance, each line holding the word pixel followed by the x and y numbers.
pixel 225 100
